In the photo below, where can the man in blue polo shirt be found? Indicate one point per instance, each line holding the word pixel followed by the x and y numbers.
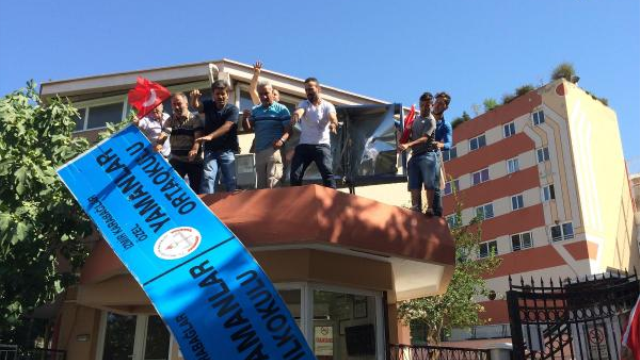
pixel 270 122
pixel 443 138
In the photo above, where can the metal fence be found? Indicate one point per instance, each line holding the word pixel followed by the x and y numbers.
pixel 428 352
pixel 571 319
pixel 13 352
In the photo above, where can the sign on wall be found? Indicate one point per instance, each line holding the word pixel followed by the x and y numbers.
pixel 203 282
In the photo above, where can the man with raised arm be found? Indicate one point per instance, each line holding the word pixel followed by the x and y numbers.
pixel 317 119
pixel 221 139
pixel 270 121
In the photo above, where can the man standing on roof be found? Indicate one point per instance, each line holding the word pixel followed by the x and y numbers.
pixel 270 121
pixel 317 119
pixel 182 128
pixel 151 126
pixel 423 165
pixel 221 141
pixel 443 139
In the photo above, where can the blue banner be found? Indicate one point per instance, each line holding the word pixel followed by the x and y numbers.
pixel 203 282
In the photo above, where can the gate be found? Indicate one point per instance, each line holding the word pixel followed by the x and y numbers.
pixel 567 319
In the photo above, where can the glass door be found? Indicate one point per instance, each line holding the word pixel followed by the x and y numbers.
pixel 119 337
pixel 133 337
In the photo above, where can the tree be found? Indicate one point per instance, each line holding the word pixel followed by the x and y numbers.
pixel 455 308
pixel 565 71
pixel 40 222
pixel 489 104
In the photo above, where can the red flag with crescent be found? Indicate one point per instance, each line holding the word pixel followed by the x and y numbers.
pixel 631 336
pixel 408 123
pixel 146 96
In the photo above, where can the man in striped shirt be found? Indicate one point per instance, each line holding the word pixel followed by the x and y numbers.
pixel 270 121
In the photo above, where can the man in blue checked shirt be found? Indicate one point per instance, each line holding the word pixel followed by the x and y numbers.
pixel 443 138
pixel 270 121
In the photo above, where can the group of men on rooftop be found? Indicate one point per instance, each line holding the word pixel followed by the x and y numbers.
pixel 203 146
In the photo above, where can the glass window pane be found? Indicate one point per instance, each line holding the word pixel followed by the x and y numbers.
pixel 157 340
pixel 473 144
pixel 476 178
pixel 453 153
pixel 99 116
pixel 485 174
pixel 526 240
pixel 567 230
pixel 119 336
pixel 556 233
pixel 482 141
pixel 80 119
pixel 488 211
pixel 344 325
pixel 515 242
pixel 292 298
pixel 447 188
pixel 552 192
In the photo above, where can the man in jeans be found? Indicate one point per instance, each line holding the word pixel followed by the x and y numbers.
pixel 423 165
pixel 317 118
pixel 442 138
pixel 221 141
pixel 270 120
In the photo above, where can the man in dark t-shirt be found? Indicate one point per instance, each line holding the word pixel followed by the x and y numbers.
pixel 221 139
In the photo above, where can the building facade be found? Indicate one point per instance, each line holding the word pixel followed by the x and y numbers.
pixel 341 262
pixel 547 174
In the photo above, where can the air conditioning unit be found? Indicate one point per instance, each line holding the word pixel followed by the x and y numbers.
pixel 246 171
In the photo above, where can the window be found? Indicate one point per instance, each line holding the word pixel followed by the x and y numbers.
pixel 450 154
pixel 513 165
pixel 99 116
pixel 538 117
pixel 543 154
pixel 509 129
pixel 562 231
pixel 477 142
pixel 521 241
pixel 450 186
pixel 80 119
pixel 487 248
pixel 517 202
pixel 480 176
pixel 548 193
pixel 484 211
pixel 453 221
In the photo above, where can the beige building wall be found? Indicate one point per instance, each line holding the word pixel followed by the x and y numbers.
pixel 601 177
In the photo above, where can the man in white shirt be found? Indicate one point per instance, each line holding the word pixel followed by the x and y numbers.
pixel 151 126
pixel 317 118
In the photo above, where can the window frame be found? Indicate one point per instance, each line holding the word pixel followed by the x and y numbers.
pixel 473 183
pixel 483 209
pixel 563 235
pixel 456 183
pixel 519 203
pixel 513 165
pixel 509 129
pixel 446 155
pixel 477 140
pixel 521 241
pixel 544 152
pixel 488 245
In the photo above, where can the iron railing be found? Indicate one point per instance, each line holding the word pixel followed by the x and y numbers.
pixel 13 352
pixel 430 352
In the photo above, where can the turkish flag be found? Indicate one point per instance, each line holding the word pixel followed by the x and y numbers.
pixel 631 337
pixel 146 96
pixel 408 122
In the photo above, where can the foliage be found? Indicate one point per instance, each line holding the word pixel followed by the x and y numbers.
pixel 460 119
pixel 40 221
pixel 507 98
pixel 489 104
pixel 565 71
pixel 524 89
pixel 114 128
pixel 455 308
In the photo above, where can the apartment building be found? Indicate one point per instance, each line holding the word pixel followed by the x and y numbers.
pixel 547 174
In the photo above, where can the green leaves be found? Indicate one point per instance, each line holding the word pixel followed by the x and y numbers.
pixel 36 221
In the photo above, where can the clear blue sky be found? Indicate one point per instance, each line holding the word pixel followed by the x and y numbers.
pixel 388 50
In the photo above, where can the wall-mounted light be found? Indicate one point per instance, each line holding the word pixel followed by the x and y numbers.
pixel 83 337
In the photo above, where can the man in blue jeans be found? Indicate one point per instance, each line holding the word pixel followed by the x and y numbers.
pixel 443 138
pixel 423 165
pixel 317 118
pixel 221 141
